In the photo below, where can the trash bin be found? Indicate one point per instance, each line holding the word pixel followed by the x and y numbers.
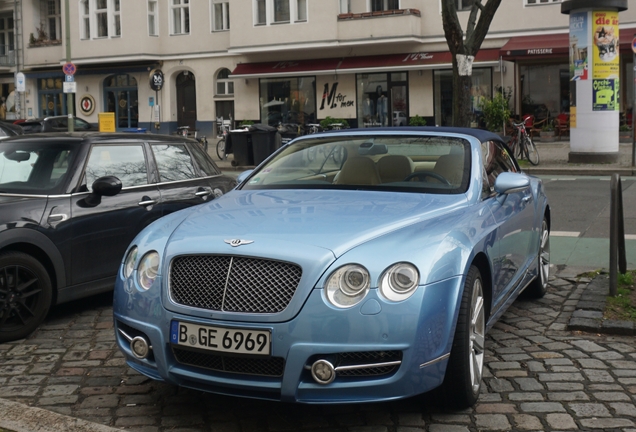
pixel 265 141
pixel 239 143
pixel 135 130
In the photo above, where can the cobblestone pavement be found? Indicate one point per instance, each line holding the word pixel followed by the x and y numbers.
pixel 539 377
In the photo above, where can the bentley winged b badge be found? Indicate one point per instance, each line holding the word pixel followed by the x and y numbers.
pixel 238 242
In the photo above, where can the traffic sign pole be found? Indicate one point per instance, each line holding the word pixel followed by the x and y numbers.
pixel 634 103
pixel 69 96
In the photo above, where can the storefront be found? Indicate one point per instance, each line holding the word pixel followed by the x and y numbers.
pixel 366 91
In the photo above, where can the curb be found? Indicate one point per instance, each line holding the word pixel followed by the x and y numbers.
pixel 588 314
pixel 17 417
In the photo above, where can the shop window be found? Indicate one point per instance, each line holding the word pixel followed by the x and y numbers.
pixel 382 99
pixel 220 15
pixel 180 17
pixel 153 29
pixel 288 101
pixel 51 97
pixel 383 5
pixel 481 90
pixel 224 86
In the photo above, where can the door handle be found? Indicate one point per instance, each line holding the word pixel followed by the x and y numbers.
pixel 203 193
pixel 146 202
pixel 526 199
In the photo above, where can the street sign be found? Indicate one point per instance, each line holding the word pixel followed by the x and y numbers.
pixel 69 68
pixel 70 87
pixel 69 78
pixel 156 79
pixel 20 82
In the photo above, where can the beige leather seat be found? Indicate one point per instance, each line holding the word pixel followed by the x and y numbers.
pixel 394 168
pixel 451 167
pixel 358 170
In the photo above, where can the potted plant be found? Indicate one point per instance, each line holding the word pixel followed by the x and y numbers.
pixel 496 112
pixel 416 120
pixel 333 123
pixel 625 134
pixel 547 132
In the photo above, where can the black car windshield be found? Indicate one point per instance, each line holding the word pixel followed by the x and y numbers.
pixel 34 168
pixel 405 163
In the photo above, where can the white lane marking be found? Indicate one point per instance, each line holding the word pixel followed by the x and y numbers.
pixel 564 234
pixel 630 236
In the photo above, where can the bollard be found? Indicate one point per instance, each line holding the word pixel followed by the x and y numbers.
pixel 618 259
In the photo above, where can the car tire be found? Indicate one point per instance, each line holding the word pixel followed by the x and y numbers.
pixel 539 286
pixel 25 295
pixel 462 381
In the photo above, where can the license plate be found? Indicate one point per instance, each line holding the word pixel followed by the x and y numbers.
pixel 229 340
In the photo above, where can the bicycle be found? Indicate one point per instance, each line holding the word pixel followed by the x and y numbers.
pixel 185 132
pixel 522 146
pixel 220 145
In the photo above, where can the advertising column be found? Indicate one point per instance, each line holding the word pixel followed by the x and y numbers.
pixel 594 75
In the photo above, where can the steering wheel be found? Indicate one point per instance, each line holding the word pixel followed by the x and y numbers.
pixel 423 174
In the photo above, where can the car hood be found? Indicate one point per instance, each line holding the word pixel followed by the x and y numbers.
pixel 294 220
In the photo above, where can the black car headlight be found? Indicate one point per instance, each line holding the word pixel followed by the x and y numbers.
pixel 399 281
pixel 131 260
pixel 348 285
pixel 148 269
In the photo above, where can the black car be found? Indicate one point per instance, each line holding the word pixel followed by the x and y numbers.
pixel 55 124
pixel 70 204
pixel 8 129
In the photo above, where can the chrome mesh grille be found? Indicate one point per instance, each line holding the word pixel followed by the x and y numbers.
pixel 267 366
pixel 369 357
pixel 233 284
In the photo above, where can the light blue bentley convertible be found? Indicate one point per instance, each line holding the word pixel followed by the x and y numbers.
pixel 350 266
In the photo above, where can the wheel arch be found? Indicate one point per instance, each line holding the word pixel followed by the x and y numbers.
pixel 40 247
pixel 483 264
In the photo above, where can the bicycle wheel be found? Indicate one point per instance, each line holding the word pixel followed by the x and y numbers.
pixel 220 149
pixel 513 145
pixel 531 151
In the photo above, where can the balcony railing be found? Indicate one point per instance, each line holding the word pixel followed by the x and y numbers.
pixel 7 56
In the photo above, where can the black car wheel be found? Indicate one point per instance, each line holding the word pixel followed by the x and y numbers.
pixel 25 295
pixel 462 381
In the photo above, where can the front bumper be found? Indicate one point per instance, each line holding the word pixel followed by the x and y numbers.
pixel 418 330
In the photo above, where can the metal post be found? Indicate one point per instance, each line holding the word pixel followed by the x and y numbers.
pixel 69 96
pixel 634 108
pixel 617 258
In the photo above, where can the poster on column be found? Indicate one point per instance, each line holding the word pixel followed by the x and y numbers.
pixel 579 42
pixel 604 95
pixel 605 58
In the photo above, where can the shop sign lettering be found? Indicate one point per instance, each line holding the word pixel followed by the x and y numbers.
pixel 418 57
pixel 540 51
pixel 333 98
pixel 285 65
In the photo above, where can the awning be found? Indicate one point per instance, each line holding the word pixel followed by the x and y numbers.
pixel 364 64
pixel 551 45
pixel 536 46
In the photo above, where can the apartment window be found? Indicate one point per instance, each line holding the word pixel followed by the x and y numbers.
pixel 224 86
pixel 301 10
pixel 382 5
pixel 465 5
pixel 538 2
pixel 53 19
pixel 7 43
pixel 261 12
pixel 281 11
pixel 116 18
pixel 345 6
pixel 153 30
pixel 221 15
pixel 100 18
pixel 180 17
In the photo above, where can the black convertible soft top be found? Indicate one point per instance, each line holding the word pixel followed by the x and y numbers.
pixel 480 134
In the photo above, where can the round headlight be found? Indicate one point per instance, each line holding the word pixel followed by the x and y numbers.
pixel 399 281
pixel 148 269
pixel 348 285
pixel 129 264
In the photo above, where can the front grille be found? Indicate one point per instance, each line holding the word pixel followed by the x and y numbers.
pixel 266 366
pixel 367 358
pixel 233 284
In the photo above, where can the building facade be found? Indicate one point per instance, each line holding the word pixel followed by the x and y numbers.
pixel 370 62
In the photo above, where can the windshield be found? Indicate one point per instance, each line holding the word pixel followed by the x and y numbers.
pixel 406 163
pixel 33 168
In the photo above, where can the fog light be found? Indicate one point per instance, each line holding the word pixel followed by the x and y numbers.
pixel 139 347
pixel 323 372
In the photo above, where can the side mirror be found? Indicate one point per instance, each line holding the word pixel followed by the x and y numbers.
pixel 242 176
pixel 507 183
pixel 107 186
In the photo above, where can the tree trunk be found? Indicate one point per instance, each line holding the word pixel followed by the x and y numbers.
pixel 462 101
